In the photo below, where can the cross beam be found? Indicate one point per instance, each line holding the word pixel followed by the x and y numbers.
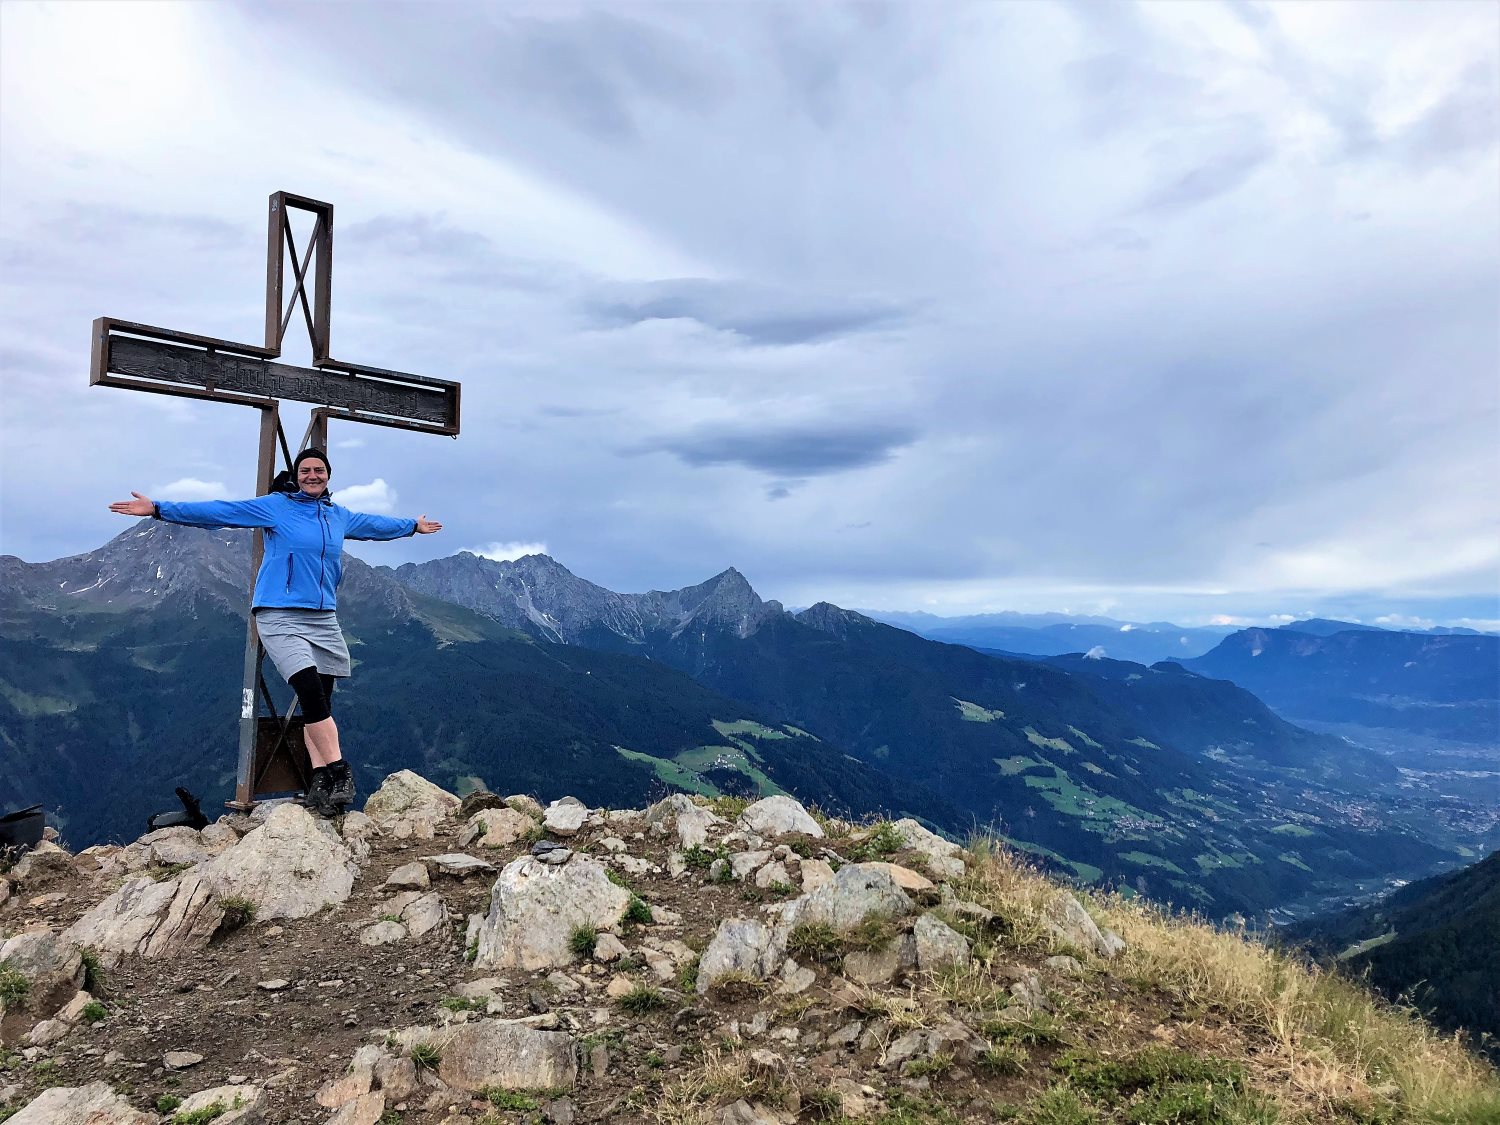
pixel 142 357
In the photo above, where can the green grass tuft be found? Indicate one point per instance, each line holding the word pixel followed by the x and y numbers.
pixel 642 998
pixel 581 940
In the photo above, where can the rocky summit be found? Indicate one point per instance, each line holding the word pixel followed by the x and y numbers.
pixel 696 962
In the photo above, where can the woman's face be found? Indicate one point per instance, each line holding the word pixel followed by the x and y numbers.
pixel 312 477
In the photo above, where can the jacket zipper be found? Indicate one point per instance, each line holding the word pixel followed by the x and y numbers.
pixel 322 555
pixel 289 572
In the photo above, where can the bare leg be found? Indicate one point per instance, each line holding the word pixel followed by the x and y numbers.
pixel 322 740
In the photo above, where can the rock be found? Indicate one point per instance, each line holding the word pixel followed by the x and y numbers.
pixel 53 967
pixel 816 873
pixel 1030 994
pixel 288 868
pixel 276 984
pixel 739 946
pixel 874 966
pixel 619 986
pixel 858 891
pixel 795 978
pixel 938 945
pixel 608 948
pixel 534 909
pixel 1068 966
pixel 409 876
pixel 565 816
pixel 170 853
pixel 357 828
pixel 496 828
pixel 919 839
pixel 218 837
pixel 94 1104
pixel 340 1091
pixel 528 806
pixel 1071 924
pixel 743 863
pixel 510 1055
pixel 559 1111
pixel 459 865
pixel 180 1060
pixel 243 1104
pixel 43 861
pixel 678 813
pixel 364 1110
pixel 905 877
pixel 409 806
pixel 855 1100
pixel 426 914
pixel 775 816
pixel 743 1113
pixel 382 933
pixel 479 801
pixel 72 1012
pixel 152 919
pixel 397 1078
pixel 551 853
pixel 48 1032
pixel 613 845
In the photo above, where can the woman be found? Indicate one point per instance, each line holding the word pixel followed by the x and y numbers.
pixel 294 603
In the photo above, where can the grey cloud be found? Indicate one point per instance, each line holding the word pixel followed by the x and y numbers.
pixel 761 315
pixel 1215 176
pixel 1466 120
pixel 799 450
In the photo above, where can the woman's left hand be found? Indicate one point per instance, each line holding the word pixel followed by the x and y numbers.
pixel 426 526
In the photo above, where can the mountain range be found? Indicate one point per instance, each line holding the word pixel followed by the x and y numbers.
pixel 121 670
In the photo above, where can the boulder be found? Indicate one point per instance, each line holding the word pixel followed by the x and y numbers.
pixel 94 1104
pixel 905 877
pixel 496 828
pixel 458 864
pixel 740 946
pixel 291 867
pixel 743 863
pixel 242 1104
pixel 510 1055
pixel 383 933
pixel 424 915
pixel 53 967
pixel 43 861
pixel 171 853
pixel 565 816
pixel 944 857
pixel 775 816
pixel 523 803
pixel 938 945
pixel 408 877
pixel 858 891
pixel 409 806
pixel 678 813
pixel 151 919
pixel 477 801
pixel 1071 925
pixel 815 873
pixel 534 908
pixel 773 874
pixel 364 1110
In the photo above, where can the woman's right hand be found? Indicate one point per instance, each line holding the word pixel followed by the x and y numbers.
pixel 140 506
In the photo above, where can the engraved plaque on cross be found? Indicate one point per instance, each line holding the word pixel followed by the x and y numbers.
pixel 142 357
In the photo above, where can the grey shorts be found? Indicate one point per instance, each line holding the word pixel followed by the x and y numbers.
pixel 295 639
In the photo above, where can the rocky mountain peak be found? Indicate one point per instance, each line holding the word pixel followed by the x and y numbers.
pixel 829 618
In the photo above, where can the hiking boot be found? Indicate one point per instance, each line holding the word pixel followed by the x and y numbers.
pixel 316 797
pixel 341 795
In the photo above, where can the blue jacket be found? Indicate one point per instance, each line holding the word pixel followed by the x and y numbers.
pixel 304 542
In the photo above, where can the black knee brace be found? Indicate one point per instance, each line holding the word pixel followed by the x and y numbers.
pixel 314 693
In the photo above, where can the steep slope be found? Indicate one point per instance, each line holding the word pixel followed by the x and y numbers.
pixel 1446 686
pixel 1434 943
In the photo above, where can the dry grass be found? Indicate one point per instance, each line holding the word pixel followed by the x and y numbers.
pixel 1328 1046
pixel 723 1077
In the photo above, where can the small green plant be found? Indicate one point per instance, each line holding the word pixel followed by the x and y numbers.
pixel 642 998
pixel 931 1067
pixel 617 879
pixel 638 912
pixel 471 951
pixel 723 876
pixel 501 1098
pixel 581 940
pixel 238 911
pixel 167 1103
pixel 391 918
pixel 170 871
pixel 814 941
pixel 211 1112
pixel 1004 1060
pixel 882 842
pixel 687 976
pixel 95 979
pixel 730 808
pixel 654 1060
pixel 94 1011
pixel 390 1117
pixel 462 1004
pixel 425 1055
pixel 803 847
pixel 1037 1030
pixel 1060 1105
pixel 871 935
pixel 780 889
pixel 14 985
pixel 822 1104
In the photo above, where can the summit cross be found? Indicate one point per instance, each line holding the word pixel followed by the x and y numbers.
pixel 142 357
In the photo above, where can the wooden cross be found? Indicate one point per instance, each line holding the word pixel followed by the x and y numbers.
pixel 144 358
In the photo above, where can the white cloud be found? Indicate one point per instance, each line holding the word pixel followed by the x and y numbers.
pixel 191 488
pixel 1095 653
pixel 1404 621
pixel 376 497
pixel 508 552
pixel 350 443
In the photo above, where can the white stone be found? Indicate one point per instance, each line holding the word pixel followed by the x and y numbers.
pixel 938 944
pixel 739 946
pixel 858 891
pixel 151 919
pixel 816 873
pixel 496 828
pixel 509 1055
pixel 382 933
pixel 459 865
pixel 410 806
pixel 289 868
pixel 243 1104
pixel 775 816
pixel 678 813
pixel 409 876
pixel 534 909
pixel 565 817
pixel 743 863
pixel 94 1104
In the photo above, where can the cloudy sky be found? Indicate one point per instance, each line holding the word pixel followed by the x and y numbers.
pixel 1181 310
